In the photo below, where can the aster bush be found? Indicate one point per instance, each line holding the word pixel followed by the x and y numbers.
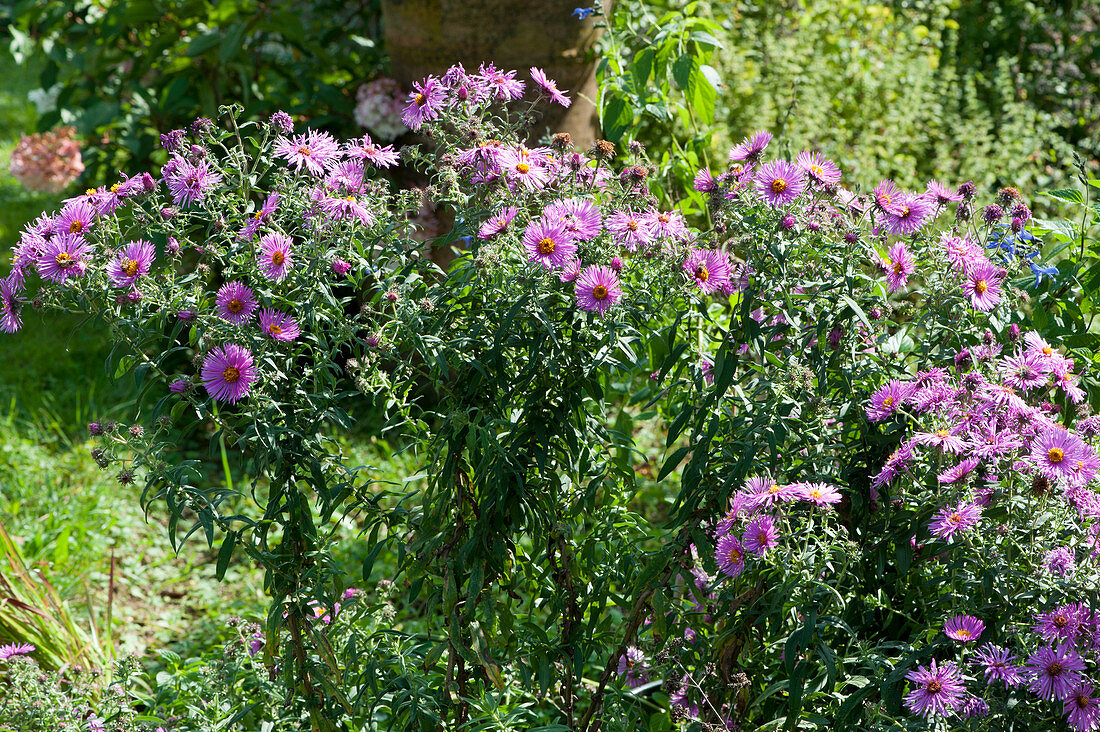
pixel 863 446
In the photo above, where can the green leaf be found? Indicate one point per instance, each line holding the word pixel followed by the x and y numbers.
pixel 203 43
pixel 1069 195
pixel 673 461
pixel 225 554
pixel 618 117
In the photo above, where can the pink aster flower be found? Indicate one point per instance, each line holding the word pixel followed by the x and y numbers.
pixel 350 207
pixel 228 372
pixel 524 168
pixel 886 195
pixel 898 265
pixel 982 284
pixel 369 151
pixel 944 439
pixel 63 258
pixel 76 217
pixel 963 628
pixel 549 86
pixel 235 302
pixel 958 472
pixel 15 649
pixel 730 556
pixel 502 84
pixel 907 214
pixel 818 168
pixel 999 663
pixel 274 256
pixel 780 182
pixel 498 224
pixel 425 101
pixel 630 230
pixel 548 243
pixel 940 194
pixel 751 148
pixel 819 494
pixel 1063 623
pixel 668 224
pixel 710 269
pixel 278 326
pixel 130 263
pixel 597 289
pixel 935 690
pixel 950 521
pixel 1053 673
pixel 961 251
pixel 632 667
pixel 760 535
pixel 580 217
pixel 315 150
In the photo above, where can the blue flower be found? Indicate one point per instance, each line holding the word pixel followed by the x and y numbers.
pixel 582 13
pixel 1038 271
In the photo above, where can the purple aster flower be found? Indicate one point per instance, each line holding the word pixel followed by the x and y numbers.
pixel 973 707
pixel 548 243
pixel 983 285
pixel 368 150
pixel 549 86
pixel 1053 673
pixel 946 440
pixel 130 263
pixel 765 493
pixel 1055 452
pixel 708 268
pixel 950 521
pixel 597 289
pixel 898 265
pixel 963 628
pixel 935 690
pixel 179 386
pixel 189 182
pixel 992 213
pixel 278 326
pixel 271 205
pixel 498 224
pixel 1064 623
pixel 346 207
pixel 274 257
pixel 580 217
pixel 1024 371
pixel 940 194
pixel 228 372
pixel 425 101
pixel 957 472
pixel 907 214
pixel 235 302
pixel 63 258
pixel 632 667
pixel 11 319
pixel 730 556
pixel 172 140
pixel 961 251
pixel 704 182
pixel 999 663
pixel 345 177
pixel 760 535
pixel 630 230
pixel 15 649
pixel 317 151
pixel 1082 708
pixel 1059 561
pixel 340 268
pixel 751 149
pixel 780 182
pixel 570 270
pixel 76 217
pixel 818 169
pixel 503 84
pixel 897 462
pixel 888 400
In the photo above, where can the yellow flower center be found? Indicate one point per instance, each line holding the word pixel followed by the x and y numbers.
pixel 816 169
pixel 599 292
pixel 231 374
pixel 955 519
pixel 774 488
pixel 702 274
pixel 304 150
pixel 632 225
pixel 980 287
pixel 258 215
pixel 115 187
pixel 941 433
pixel 1047 350
pixel 1056 455
pixel 546 246
pixel 664 218
pixel 904 211
pixel 963 633
pixel 130 268
pixel 935 686
pixel 277 258
pixel 234 306
pixel 274 329
pixel 778 185
pixel 64 259
pixel 522 167
pixel 735 555
pixel 888 402
pixel 419 99
pixel 76 227
pixel 89 192
pixel 898 267
pixel 885 200
pixel 815 493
